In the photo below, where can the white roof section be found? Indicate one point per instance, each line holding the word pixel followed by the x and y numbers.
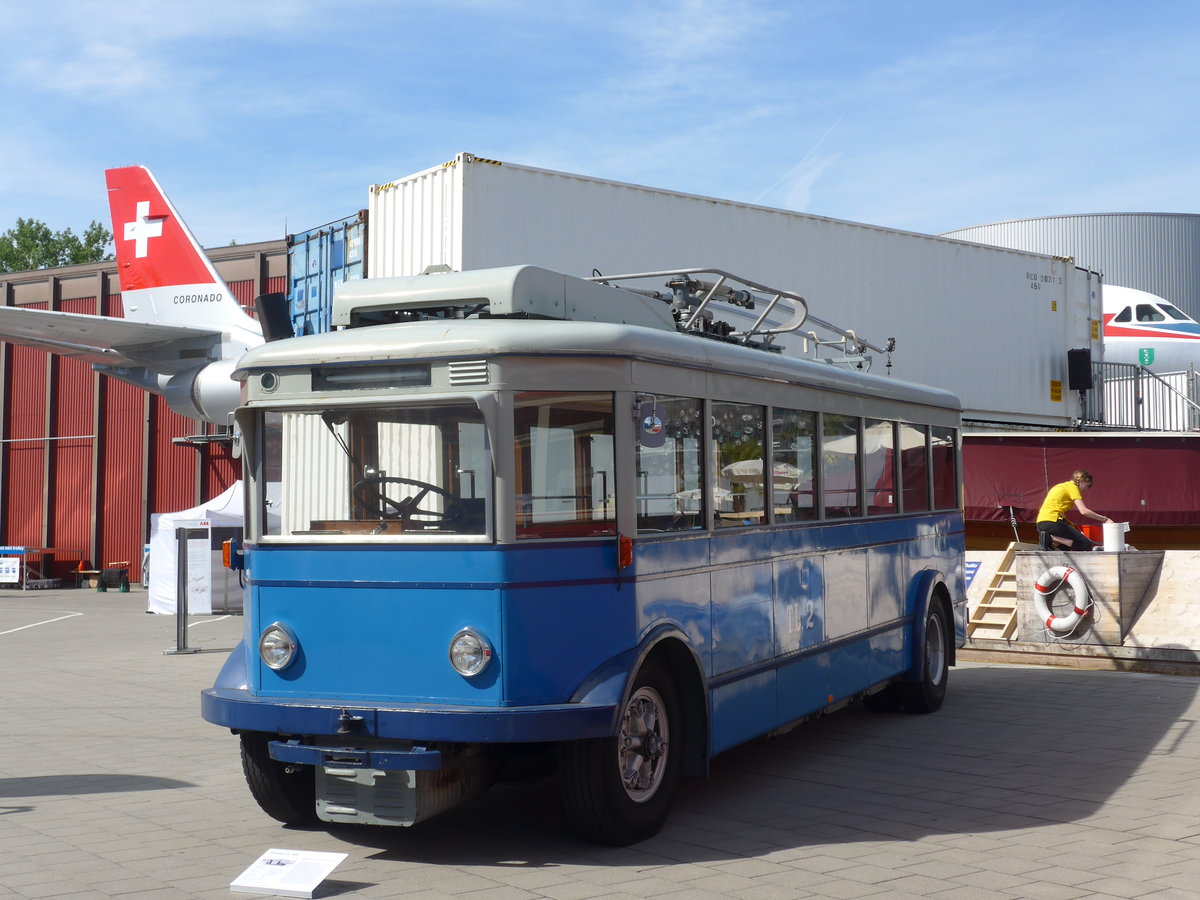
pixel 471 339
pixel 528 291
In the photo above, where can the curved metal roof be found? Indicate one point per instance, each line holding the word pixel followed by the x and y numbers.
pixel 1157 252
pixel 476 338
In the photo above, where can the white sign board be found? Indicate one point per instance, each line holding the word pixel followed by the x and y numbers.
pixel 287 873
pixel 10 569
pixel 198 566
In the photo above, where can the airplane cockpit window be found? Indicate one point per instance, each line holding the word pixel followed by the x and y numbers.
pixel 1124 315
pixel 1173 312
pixel 1147 312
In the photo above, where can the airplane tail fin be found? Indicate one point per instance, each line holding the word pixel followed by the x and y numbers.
pixel 166 278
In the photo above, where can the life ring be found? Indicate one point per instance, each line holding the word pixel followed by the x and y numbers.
pixel 1047 584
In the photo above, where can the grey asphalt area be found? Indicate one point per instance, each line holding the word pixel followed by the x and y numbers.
pixel 1032 782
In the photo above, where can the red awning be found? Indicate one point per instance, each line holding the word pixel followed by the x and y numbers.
pixel 1143 479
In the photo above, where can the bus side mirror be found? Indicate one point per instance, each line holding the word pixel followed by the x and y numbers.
pixel 231 554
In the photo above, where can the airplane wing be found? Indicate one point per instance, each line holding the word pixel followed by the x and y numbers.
pixel 108 341
pixel 183 330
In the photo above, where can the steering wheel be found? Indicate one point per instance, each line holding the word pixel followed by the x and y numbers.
pixel 371 493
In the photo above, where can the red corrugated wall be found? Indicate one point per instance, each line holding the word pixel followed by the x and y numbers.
pixel 86 472
pixel 243 292
pixel 172 467
pixel 25 419
pixel 221 470
pixel 73 446
pixel 122 460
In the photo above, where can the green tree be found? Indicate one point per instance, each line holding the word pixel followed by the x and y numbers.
pixel 32 245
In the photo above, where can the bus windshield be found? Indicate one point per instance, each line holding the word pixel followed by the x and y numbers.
pixel 376 471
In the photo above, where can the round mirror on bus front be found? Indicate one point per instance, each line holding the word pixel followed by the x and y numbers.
pixel 652 430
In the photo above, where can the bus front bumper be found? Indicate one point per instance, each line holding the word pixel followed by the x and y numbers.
pixel 242 711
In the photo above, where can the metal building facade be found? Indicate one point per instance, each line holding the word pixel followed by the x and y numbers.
pixel 85 460
pixel 1155 252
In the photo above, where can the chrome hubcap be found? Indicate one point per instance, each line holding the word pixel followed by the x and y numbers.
pixel 643 744
pixel 935 650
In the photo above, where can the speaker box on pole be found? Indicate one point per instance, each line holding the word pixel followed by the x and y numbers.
pixel 1079 370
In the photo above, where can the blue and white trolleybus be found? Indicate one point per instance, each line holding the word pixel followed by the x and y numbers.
pixel 510 522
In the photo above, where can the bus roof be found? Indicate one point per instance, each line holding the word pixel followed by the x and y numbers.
pixel 458 339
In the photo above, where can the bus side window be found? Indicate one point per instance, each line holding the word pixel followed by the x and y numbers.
pixel 793 439
pixel 566 483
pixel 945 471
pixel 914 468
pixel 739 494
pixel 879 466
pixel 670 483
pixel 839 465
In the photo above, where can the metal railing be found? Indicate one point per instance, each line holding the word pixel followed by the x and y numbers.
pixel 1129 396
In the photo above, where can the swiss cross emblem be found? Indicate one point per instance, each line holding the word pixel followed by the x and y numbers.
pixel 142 228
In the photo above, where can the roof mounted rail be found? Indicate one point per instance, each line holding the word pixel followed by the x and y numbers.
pixel 692 297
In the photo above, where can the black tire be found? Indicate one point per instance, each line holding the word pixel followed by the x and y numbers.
pixel 612 792
pixel 886 701
pixel 286 792
pixel 926 695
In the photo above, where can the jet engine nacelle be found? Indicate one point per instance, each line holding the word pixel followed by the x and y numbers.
pixel 207 393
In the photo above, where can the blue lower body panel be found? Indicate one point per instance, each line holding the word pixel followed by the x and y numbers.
pixel 242 711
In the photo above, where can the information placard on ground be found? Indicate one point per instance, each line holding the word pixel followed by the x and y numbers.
pixel 287 873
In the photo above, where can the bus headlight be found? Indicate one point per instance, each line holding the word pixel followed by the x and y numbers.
pixel 277 646
pixel 470 652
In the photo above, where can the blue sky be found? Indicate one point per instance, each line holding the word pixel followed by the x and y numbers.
pixel 264 117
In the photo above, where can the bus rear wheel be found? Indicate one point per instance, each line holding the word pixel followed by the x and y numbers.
pixel 927 694
pixel 286 793
pixel 618 790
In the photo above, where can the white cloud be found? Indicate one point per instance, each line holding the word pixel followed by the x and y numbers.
pixel 925 116
pixel 799 187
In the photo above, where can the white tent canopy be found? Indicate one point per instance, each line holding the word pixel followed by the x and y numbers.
pixel 750 471
pixel 224 510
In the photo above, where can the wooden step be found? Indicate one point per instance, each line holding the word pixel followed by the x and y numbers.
pixel 995 616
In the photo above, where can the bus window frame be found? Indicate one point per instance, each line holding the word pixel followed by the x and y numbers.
pixel 924 427
pixel 253 456
pixel 687 525
pixel 956 461
pixel 497 407
pixel 857 506
pixel 772 438
pixel 575 528
pixel 725 519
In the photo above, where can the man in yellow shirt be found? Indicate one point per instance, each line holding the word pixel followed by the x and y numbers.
pixel 1051 521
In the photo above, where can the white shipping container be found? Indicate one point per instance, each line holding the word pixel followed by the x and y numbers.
pixel 993 325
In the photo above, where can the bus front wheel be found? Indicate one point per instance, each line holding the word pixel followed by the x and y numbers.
pixel 285 792
pixel 927 694
pixel 618 790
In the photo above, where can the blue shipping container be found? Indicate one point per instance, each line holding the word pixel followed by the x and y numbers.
pixel 318 261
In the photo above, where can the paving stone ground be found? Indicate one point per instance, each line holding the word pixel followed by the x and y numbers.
pixel 1032 782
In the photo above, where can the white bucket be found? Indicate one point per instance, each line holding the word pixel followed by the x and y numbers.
pixel 1114 535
